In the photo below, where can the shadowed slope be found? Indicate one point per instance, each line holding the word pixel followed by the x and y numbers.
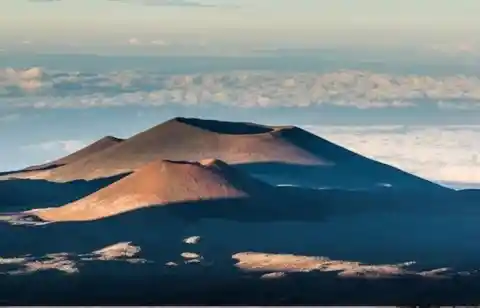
pixel 469 195
pixel 278 154
pixel 20 194
pixel 231 256
pixel 159 183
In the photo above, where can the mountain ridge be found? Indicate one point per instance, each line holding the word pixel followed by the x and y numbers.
pixel 276 154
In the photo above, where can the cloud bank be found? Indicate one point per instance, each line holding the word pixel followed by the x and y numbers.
pixel 36 87
pixel 442 153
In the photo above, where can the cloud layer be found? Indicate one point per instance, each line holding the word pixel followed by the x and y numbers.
pixel 442 153
pixel 349 88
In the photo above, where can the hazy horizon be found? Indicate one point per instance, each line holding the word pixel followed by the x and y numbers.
pixel 236 26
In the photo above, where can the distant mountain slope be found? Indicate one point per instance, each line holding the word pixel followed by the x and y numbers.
pixel 278 154
pixel 159 183
pixel 90 149
pixel 188 139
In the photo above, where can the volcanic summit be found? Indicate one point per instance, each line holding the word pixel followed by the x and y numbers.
pixel 276 154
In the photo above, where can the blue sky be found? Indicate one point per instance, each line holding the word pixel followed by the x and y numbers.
pixel 243 22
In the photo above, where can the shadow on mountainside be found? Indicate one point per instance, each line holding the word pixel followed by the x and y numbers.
pixel 472 195
pixel 343 176
pixel 347 170
pixel 373 228
pixel 22 194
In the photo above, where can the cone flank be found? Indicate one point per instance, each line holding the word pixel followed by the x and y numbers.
pixel 161 182
pixel 280 154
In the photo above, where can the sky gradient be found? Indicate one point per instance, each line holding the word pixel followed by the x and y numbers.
pixel 296 22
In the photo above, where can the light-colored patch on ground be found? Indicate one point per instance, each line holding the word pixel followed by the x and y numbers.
pixel 190 255
pixel 119 250
pixel 6 218
pixel 22 218
pixel 15 260
pixel 192 240
pixel 195 258
pixel 190 261
pixel 469 273
pixel 60 262
pixel 437 273
pixel 123 251
pixel 253 261
pixel 274 275
pixel 70 263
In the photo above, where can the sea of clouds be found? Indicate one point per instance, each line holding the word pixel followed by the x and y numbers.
pixel 447 154
pixel 41 88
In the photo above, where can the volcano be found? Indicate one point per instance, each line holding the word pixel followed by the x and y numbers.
pixel 162 182
pixel 276 154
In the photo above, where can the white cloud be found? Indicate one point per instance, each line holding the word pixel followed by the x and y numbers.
pixel 134 41
pixel 350 88
pixel 444 153
pixel 56 147
pixel 26 81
